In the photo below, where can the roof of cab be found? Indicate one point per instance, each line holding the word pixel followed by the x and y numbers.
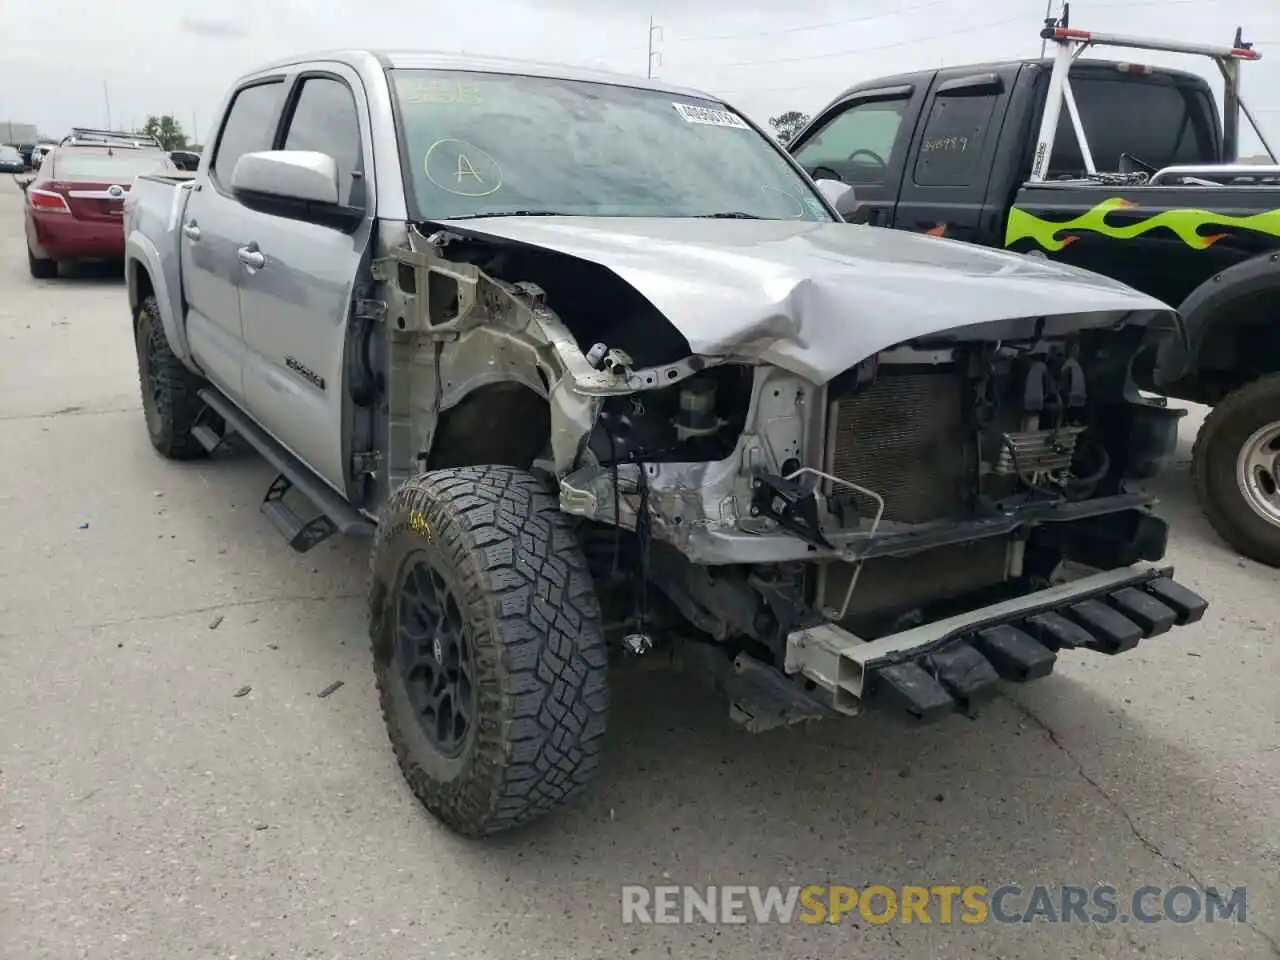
pixel 1046 63
pixel 440 60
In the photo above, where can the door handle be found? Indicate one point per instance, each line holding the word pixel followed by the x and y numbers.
pixel 191 230
pixel 251 256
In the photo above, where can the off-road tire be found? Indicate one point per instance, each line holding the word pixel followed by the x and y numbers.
pixel 1213 468
pixel 528 607
pixel 40 268
pixel 174 406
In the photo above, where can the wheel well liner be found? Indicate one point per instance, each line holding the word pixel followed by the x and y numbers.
pixel 140 287
pixel 478 429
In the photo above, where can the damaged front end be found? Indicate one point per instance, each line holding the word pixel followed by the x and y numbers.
pixel 943 512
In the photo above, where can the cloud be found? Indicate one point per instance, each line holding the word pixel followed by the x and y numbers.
pixel 224 29
pixel 180 56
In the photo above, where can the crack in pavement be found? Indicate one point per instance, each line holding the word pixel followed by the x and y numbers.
pixel 73 411
pixel 1150 845
pixel 192 611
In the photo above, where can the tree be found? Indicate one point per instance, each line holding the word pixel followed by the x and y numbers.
pixel 167 130
pixel 787 125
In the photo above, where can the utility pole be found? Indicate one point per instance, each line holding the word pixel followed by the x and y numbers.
pixel 655 33
pixel 106 96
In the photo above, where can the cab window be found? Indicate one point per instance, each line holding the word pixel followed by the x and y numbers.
pixel 1153 119
pixel 954 134
pixel 857 144
pixel 325 120
pixel 250 126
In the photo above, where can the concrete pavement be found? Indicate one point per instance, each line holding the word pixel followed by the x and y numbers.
pixel 146 811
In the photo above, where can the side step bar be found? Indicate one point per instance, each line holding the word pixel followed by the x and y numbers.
pixel 336 515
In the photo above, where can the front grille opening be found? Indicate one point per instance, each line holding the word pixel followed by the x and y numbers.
pixel 896 593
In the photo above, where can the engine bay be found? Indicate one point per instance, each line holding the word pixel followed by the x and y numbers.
pixel 929 477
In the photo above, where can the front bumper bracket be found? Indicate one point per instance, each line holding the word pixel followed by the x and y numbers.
pixel 931 671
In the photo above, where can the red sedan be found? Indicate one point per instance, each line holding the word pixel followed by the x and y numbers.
pixel 75 204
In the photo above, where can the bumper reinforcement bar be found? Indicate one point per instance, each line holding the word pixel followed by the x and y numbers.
pixel 931 671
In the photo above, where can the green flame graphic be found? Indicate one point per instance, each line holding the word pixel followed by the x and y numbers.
pixel 1185 223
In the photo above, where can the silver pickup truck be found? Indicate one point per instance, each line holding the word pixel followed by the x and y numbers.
pixel 604 375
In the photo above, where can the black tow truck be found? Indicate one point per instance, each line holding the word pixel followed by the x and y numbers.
pixel 1121 168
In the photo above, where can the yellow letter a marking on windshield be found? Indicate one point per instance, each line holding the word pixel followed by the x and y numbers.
pixel 465 169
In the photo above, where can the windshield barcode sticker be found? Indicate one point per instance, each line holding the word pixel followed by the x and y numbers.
pixel 711 116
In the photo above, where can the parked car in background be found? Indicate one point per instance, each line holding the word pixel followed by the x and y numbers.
pixel 185 159
pixel 38 153
pixel 11 160
pixel 75 202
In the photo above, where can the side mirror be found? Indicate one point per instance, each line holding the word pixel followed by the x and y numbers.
pixel 303 175
pixel 838 193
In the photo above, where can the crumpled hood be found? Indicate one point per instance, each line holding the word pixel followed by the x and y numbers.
pixel 817 298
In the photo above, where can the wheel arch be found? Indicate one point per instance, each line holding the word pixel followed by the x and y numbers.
pixel 145 276
pixel 1232 333
pixel 477 430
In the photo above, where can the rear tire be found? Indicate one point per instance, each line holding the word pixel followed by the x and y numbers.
pixel 40 268
pixel 170 400
pixel 480 590
pixel 1246 515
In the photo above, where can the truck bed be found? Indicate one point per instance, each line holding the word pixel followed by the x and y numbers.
pixel 153 214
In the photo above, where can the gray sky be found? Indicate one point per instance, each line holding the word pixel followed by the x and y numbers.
pixel 179 56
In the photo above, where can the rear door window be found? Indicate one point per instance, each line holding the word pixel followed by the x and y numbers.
pixel 858 144
pixel 250 126
pixel 954 135
pixel 1151 118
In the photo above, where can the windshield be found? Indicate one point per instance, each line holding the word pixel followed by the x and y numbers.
pixel 476 144
pixel 122 166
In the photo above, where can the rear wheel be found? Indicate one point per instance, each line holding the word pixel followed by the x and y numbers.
pixel 41 268
pixel 1236 469
pixel 488 650
pixel 169 390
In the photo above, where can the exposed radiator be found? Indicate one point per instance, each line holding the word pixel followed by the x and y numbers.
pixel 905 436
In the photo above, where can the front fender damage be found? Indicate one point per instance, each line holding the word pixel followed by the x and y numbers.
pixel 455 328
pixel 467 312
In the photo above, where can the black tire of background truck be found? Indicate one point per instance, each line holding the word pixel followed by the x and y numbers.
pixel 41 269
pixel 1213 468
pixel 170 401
pixel 498 541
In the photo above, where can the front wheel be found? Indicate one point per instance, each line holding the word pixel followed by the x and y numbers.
pixel 488 650
pixel 1236 469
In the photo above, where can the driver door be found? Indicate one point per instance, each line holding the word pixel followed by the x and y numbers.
pixel 862 139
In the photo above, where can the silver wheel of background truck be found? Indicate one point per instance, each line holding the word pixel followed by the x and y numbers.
pixel 1236 469
pixel 488 650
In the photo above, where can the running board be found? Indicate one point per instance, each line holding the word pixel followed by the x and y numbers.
pixel 207 437
pixel 336 515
